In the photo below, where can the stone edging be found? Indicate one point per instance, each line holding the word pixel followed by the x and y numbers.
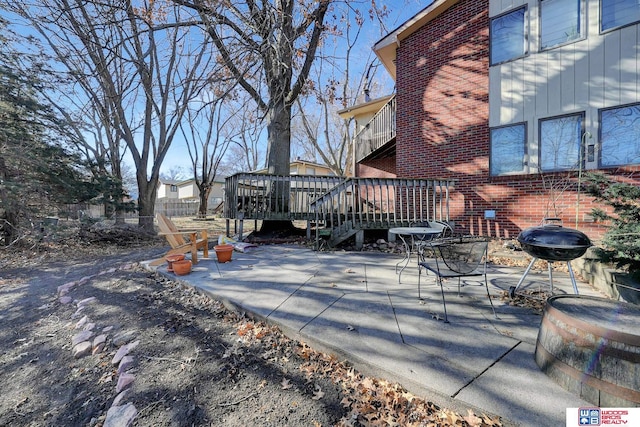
pixel 92 340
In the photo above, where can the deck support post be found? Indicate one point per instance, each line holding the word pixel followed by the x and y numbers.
pixel 359 239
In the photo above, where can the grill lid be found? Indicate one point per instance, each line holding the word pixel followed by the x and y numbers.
pixel 554 236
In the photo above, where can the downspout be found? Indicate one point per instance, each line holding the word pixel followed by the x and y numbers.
pixel 580 167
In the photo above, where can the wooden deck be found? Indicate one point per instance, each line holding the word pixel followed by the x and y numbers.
pixel 336 207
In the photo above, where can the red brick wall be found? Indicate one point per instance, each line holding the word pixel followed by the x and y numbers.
pixel 442 120
pixel 442 130
pixel 377 168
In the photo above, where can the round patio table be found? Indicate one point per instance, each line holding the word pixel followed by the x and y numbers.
pixel 412 238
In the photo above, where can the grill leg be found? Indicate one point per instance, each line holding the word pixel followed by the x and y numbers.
pixel 512 290
pixel 573 278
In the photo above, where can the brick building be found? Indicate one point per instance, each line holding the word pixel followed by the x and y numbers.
pixel 514 101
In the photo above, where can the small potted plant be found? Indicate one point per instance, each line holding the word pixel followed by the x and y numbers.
pixel 223 252
pixel 173 258
pixel 182 267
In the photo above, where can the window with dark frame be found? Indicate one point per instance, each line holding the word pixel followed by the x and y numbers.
pixel 508 36
pixel 620 136
pixel 508 149
pixel 173 188
pixel 561 22
pixel 559 142
pixel 618 13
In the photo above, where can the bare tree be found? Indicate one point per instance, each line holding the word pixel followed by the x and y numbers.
pixel 208 136
pixel 341 77
pixel 175 173
pixel 246 152
pixel 138 65
pixel 268 48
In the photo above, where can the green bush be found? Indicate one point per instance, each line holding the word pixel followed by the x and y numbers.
pixel 621 241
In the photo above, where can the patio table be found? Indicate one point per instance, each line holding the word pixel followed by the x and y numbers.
pixel 411 238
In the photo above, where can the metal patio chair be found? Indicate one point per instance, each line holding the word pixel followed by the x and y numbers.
pixel 445 231
pixel 422 246
pixel 456 257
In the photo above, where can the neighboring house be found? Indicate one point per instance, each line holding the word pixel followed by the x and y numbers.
pixel 167 190
pixel 505 97
pixel 187 191
pixel 304 167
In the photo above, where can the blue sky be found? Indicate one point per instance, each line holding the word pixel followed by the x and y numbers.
pixel 400 12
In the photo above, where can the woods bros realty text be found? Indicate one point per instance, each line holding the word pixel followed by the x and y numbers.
pixel 603 416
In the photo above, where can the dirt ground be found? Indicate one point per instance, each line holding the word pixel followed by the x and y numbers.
pixel 192 362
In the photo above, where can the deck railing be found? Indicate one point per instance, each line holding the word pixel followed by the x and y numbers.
pixel 379 131
pixel 274 197
pixel 337 204
pixel 370 203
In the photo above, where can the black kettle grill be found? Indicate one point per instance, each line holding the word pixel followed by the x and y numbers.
pixel 552 242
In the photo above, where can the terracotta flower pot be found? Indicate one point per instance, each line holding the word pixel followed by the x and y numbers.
pixel 182 267
pixel 173 258
pixel 223 252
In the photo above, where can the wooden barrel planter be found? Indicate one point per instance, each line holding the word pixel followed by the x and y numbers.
pixel 591 347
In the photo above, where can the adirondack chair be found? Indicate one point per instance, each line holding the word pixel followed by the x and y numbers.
pixel 182 241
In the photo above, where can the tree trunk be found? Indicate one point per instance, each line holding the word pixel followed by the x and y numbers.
pixel 205 191
pixel 146 212
pixel 278 163
pixel 8 217
pixel 119 215
pixel 146 203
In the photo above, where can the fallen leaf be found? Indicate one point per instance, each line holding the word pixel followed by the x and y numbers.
pixel 472 419
pixel 286 384
pixel 318 393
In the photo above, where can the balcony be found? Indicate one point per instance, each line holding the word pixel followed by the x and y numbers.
pixel 378 134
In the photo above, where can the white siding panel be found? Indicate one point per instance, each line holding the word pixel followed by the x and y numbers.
pixel 495 96
pixel 529 89
pixel 568 78
pixel 554 83
pixel 505 89
pixel 596 67
pixel 517 91
pixel 162 191
pixel 540 75
pixel 581 74
pixel 629 71
pixel 501 6
pixel 612 68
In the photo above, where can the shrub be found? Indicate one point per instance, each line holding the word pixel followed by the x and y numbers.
pixel 622 239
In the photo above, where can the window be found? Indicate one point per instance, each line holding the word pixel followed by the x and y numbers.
pixel 560 139
pixel 173 188
pixel 560 22
pixel 620 136
pixel 618 13
pixel 508 149
pixel 508 36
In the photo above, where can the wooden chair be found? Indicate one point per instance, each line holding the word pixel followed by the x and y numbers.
pixel 182 241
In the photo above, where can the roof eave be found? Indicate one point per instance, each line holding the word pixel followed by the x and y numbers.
pixel 372 106
pixel 386 47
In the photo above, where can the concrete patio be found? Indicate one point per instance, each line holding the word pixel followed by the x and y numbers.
pixel 351 304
